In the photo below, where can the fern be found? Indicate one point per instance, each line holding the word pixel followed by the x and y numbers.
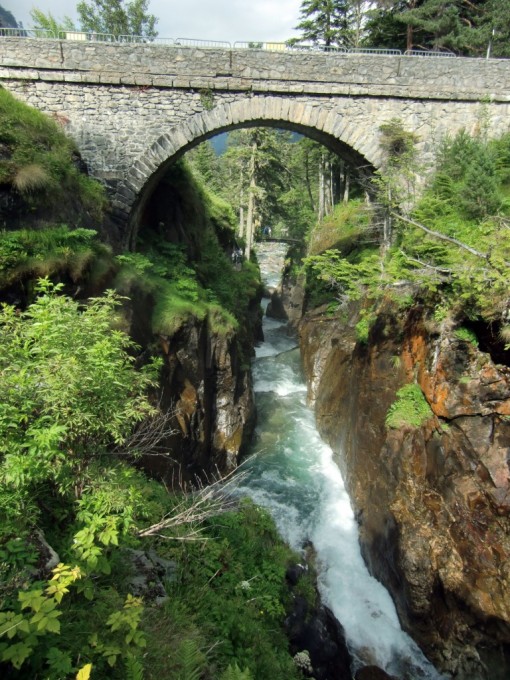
pixel 190 661
pixel 234 673
pixel 134 668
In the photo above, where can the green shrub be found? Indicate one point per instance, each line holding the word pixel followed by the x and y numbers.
pixel 363 330
pixel 32 253
pixel 467 335
pixel 410 409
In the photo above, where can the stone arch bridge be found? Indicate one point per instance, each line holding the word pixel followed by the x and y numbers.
pixel 133 109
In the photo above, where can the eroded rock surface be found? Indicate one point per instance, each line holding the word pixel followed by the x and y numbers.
pixel 432 502
pixel 212 397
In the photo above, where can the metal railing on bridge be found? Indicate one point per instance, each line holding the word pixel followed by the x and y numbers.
pixel 428 53
pixel 41 33
pixel 26 33
pixel 144 40
pixel 191 42
pixel 91 37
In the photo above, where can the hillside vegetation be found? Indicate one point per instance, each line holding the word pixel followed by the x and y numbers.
pixel 42 168
pixel 453 248
pixel 103 571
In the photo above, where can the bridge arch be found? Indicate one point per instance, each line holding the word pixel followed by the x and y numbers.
pixel 324 124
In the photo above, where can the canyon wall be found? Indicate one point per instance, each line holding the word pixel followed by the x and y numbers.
pixel 432 502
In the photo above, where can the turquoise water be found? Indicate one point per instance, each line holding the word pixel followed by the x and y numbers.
pixel 291 472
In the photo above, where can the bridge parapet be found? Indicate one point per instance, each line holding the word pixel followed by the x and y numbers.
pixel 134 108
pixel 162 66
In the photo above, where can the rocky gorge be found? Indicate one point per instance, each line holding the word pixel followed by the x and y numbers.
pixel 432 501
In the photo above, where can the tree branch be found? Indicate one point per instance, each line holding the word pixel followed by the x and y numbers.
pixel 440 270
pixel 438 235
pixel 198 506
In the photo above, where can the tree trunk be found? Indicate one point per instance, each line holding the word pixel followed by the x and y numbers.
pixel 241 219
pixel 308 183
pixel 251 202
pixel 322 189
pixel 409 38
pixel 331 201
pixel 241 206
pixel 387 227
pixel 347 181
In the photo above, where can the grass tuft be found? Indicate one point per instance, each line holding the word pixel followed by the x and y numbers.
pixel 410 409
pixel 31 178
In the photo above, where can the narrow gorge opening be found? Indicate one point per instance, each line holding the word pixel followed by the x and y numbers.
pixel 290 470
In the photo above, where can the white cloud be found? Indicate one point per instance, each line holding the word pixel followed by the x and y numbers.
pixel 231 20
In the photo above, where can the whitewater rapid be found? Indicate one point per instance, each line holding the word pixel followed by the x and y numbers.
pixel 292 473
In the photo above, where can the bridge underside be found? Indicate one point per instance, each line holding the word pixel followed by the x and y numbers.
pixel 141 184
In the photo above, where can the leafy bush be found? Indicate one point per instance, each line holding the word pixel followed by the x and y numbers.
pixel 348 276
pixel 70 394
pixel 410 409
pixel 362 329
pixel 69 390
pixel 467 335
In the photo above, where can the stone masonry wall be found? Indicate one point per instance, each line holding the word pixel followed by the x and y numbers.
pixel 305 72
pixel 133 108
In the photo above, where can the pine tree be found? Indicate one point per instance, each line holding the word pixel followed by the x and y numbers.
pixel 470 28
pixel 385 29
pixel 324 22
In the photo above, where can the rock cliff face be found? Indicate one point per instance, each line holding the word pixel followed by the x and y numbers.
pixel 212 395
pixel 206 381
pixel 433 502
pixel 287 301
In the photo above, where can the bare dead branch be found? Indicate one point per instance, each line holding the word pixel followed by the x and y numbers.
pixel 150 437
pixel 198 506
pixel 439 270
pixel 438 235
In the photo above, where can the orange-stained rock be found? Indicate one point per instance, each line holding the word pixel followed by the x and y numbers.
pixel 433 502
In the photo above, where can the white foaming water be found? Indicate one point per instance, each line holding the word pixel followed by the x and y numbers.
pixel 293 474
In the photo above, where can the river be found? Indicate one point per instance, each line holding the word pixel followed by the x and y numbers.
pixel 292 473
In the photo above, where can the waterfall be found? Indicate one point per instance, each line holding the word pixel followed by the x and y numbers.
pixel 292 473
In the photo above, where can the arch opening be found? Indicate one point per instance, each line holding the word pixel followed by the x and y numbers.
pixel 357 169
pixel 323 125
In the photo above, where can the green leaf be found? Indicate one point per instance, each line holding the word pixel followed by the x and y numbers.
pixel 17 654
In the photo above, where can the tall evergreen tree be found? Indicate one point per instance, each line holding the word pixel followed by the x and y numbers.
pixel 384 26
pixel 467 27
pixel 324 22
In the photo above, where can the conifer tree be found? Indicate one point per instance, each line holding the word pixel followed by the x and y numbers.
pixel 324 21
pixel 470 28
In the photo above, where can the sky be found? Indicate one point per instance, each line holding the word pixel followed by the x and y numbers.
pixel 230 20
